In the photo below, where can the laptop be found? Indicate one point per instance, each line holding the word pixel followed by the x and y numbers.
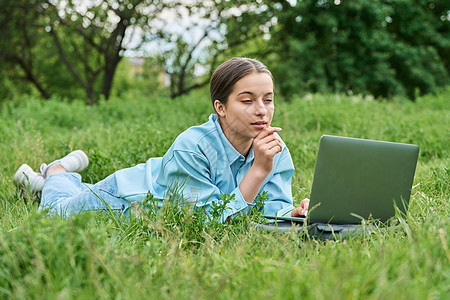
pixel 357 179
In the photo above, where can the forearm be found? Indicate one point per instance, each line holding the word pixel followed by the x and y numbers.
pixel 265 145
pixel 251 184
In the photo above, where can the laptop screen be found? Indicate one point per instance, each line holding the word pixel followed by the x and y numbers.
pixel 357 178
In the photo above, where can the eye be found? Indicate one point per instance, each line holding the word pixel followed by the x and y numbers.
pixel 246 101
pixel 268 100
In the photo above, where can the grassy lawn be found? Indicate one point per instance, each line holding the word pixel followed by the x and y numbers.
pixel 175 255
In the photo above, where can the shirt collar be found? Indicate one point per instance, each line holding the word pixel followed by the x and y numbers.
pixel 230 151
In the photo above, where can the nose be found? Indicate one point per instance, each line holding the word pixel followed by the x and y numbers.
pixel 261 109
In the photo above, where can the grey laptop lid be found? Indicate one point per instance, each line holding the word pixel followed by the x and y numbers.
pixel 362 177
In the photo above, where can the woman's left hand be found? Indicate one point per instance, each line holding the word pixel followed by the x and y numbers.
pixel 302 209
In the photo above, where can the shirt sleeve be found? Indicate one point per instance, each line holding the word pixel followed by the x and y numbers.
pixel 278 187
pixel 190 173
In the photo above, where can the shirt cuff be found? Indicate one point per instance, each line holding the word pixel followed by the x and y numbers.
pixel 239 202
pixel 285 212
pixel 237 206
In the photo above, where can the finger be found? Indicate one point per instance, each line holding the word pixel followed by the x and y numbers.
pixel 305 203
pixel 280 148
pixel 267 131
pixel 271 152
pixel 274 129
pixel 269 145
pixel 274 144
pixel 279 145
pixel 297 212
pixel 303 212
pixel 267 140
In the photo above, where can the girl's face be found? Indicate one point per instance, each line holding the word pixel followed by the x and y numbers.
pixel 249 108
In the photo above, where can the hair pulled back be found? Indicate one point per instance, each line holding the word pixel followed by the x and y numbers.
pixel 228 73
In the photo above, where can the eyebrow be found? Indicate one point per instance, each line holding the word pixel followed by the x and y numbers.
pixel 251 93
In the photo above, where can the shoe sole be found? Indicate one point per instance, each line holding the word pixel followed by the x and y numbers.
pixel 22 179
pixel 20 173
pixel 82 158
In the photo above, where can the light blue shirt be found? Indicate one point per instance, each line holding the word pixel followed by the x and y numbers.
pixel 204 162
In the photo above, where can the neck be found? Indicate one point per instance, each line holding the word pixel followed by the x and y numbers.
pixel 241 144
pixel 243 147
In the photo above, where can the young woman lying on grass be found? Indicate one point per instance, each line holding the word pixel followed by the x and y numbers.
pixel 236 152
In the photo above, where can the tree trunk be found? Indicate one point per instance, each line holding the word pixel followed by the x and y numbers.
pixel 112 55
pixel 89 96
pixel 32 78
pixel 110 71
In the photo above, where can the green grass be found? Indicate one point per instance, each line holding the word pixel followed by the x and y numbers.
pixel 173 254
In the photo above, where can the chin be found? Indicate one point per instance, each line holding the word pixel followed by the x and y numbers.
pixel 255 133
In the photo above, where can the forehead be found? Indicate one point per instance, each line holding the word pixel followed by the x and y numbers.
pixel 255 82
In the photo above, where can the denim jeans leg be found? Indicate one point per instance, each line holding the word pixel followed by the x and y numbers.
pixel 65 194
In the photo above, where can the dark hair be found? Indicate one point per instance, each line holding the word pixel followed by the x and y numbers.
pixel 228 73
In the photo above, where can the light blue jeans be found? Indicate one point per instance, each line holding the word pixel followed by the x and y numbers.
pixel 65 194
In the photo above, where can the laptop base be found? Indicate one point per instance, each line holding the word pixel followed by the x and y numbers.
pixel 317 231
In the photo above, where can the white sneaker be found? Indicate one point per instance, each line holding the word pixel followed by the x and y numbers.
pixel 75 161
pixel 27 178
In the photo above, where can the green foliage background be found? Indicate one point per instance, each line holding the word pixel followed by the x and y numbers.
pixel 172 255
pixel 380 48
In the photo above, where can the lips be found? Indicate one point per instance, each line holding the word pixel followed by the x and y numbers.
pixel 259 123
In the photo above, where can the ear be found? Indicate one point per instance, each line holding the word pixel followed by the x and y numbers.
pixel 220 108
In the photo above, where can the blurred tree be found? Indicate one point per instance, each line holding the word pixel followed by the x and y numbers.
pixel 20 36
pixel 87 37
pixel 207 32
pixel 91 38
pixel 379 47
pixel 421 53
pixel 383 48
